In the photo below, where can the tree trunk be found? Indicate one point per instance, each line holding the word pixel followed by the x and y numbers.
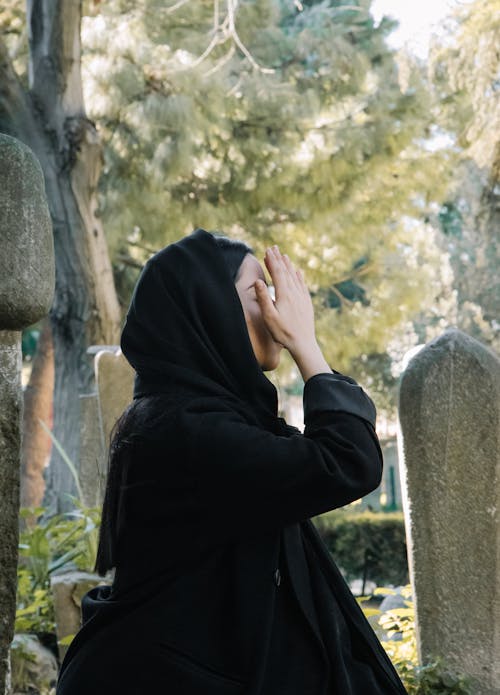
pixel 37 444
pixel 51 119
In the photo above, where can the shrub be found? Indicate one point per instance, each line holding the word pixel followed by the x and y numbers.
pixel 368 545
pixel 66 540
pixel 432 678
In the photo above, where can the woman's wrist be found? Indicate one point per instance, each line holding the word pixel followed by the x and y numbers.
pixel 309 359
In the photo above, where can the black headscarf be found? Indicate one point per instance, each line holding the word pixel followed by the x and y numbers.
pixel 185 331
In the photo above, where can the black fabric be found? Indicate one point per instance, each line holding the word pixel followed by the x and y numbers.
pixel 346 397
pixel 216 494
pixel 293 642
pixel 185 329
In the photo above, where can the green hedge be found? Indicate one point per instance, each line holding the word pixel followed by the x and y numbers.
pixel 370 545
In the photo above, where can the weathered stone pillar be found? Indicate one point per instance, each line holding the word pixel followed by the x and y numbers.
pixel 26 292
pixel 100 410
pixel 68 590
pixel 115 387
pixel 449 410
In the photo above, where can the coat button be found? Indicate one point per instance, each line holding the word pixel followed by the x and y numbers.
pixel 277 577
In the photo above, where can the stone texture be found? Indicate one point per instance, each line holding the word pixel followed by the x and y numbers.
pixel 26 293
pixel 67 590
pixel 10 452
pixel 27 257
pixel 449 410
pixel 392 601
pixel 99 412
pixel 34 667
pixel 92 471
pixel 115 384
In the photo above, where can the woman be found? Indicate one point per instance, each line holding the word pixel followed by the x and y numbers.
pixel 222 584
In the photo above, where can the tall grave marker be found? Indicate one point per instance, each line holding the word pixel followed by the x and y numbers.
pixel 449 411
pixel 27 280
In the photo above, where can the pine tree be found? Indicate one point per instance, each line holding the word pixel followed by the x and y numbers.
pixel 302 129
pixel 465 70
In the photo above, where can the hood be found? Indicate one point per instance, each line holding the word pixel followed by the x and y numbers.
pixel 185 330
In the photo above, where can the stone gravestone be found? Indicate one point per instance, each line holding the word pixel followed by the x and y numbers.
pixel 449 410
pixel 115 385
pixel 91 473
pixel 68 589
pixel 100 410
pixel 27 279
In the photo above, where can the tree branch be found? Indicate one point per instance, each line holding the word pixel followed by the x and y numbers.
pixel 222 32
pixel 173 8
pixel 221 62
pixel 231 9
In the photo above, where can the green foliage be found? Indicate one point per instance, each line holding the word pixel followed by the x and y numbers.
pixel 435 678
pixel 399 641
pixel 465 73
pixel 25 676
pixel 464 67
pixel 69 463
pixel 20 661
pixel 13 31
pixel 323 154
pixel 366 544
pixel 398 636
pixel 62 541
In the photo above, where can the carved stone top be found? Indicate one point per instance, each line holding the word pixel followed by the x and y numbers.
pixel 27 272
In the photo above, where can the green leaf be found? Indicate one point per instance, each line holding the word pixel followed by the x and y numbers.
pixel 64 456
pixel 65 641
pixel 384 591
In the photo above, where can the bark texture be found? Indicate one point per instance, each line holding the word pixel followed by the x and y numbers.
pixel 50 117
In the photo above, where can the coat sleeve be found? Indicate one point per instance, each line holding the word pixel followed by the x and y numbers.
pixel 249 479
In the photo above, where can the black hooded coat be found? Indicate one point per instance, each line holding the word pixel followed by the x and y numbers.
pixel 223 585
